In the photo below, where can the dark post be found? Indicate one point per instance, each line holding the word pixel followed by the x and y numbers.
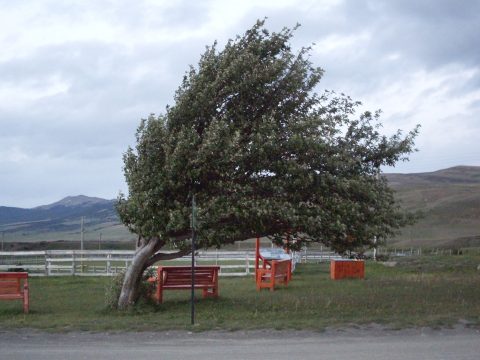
pixel 192 300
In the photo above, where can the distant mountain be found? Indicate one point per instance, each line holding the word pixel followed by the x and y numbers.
pixel 80 200
pixel 61 220
pixel 72 206
pixel 450 202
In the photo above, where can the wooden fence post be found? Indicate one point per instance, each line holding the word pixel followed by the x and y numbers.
pixel 46 263
pixel 73 262
pixel 109 264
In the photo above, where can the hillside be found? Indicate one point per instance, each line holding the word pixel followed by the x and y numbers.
pixel 61 221
pixel 450 201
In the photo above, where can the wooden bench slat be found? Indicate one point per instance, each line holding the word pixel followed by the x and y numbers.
pixel 13 275
pixel 11 296
pixel 180 278
pixel 9 288
pixel 14 286
pixel 279 272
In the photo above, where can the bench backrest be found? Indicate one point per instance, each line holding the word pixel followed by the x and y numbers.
pixel 182 275
pixel 280 266
pixel 13 275
pixel 10 283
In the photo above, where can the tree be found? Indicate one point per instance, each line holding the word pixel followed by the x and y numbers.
pixel 263 154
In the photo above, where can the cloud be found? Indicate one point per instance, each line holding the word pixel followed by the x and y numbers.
pixel 76 77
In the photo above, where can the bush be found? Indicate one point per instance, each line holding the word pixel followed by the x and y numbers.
pixel 112 291
pixel 114 288
pixel 147 288
pixel 383 257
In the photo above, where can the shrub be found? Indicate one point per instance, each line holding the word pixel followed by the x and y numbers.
pixel 114 287
pixel 112 291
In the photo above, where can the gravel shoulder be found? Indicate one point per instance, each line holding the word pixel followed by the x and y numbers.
pixel 368 342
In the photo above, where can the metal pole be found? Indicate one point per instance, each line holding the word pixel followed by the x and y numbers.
pixel 81 233
pixel 192 299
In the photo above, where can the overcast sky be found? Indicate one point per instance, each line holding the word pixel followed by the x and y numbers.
pixel 76 77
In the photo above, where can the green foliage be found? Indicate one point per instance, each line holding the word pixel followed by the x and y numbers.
pixel 114 287
pixel 112 291
pixel 263 153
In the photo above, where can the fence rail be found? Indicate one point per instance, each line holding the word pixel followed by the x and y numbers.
pixel 111 262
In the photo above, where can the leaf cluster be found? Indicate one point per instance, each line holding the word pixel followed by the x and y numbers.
pixel 263 153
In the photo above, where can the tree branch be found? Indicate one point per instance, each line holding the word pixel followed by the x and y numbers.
pixel 166 256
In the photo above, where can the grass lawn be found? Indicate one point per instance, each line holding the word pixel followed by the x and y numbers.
pixel 419 291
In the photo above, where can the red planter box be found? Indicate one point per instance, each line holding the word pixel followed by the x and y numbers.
pixel 340 269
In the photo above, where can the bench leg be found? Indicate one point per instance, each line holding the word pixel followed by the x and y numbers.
pixel 259 281
pixel 213 292
pixel 159 295
pixel 272 283
pixel 26 299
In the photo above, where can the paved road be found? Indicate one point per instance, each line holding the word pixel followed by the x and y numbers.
pixel 357 344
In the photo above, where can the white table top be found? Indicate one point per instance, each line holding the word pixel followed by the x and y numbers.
pixel 274 254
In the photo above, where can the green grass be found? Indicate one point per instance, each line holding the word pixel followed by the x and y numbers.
pixel 423 291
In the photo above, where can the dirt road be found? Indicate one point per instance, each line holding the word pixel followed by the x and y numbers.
pixel 358 344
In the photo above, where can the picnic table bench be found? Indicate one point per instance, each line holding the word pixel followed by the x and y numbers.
pixel 279 272
pixel 11 287
pixel 272 266
pixel 180 278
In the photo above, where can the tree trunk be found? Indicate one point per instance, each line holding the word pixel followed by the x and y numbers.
pixel 131 282
pixel 145 256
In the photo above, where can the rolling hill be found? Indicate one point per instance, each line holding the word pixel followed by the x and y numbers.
pixel 62 221
pixel 449 200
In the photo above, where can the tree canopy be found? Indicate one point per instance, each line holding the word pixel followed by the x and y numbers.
pixel 264 154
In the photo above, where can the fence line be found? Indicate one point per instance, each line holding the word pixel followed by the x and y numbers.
pixel 111 262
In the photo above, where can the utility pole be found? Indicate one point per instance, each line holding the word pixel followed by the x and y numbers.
pixel 3 235
pixel 82 232
pixel 99 241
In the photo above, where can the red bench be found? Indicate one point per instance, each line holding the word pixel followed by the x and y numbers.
pixel 279 272
pixel 11 287
pixel 180 278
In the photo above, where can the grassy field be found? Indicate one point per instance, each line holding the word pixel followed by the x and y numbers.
pixel 418 291
pixel 449 200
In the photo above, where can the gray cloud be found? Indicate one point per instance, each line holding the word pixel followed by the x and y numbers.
pixel 75 78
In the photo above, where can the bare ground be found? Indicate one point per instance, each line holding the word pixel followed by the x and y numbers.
pixel 366 342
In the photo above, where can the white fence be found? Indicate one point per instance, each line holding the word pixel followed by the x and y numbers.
pixel 111 262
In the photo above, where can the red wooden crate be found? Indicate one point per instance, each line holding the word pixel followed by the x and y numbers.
pixel 340 269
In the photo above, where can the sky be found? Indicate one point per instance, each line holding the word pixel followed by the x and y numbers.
pixel 76 77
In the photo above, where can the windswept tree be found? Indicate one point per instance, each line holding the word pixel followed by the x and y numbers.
pixel 264 155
